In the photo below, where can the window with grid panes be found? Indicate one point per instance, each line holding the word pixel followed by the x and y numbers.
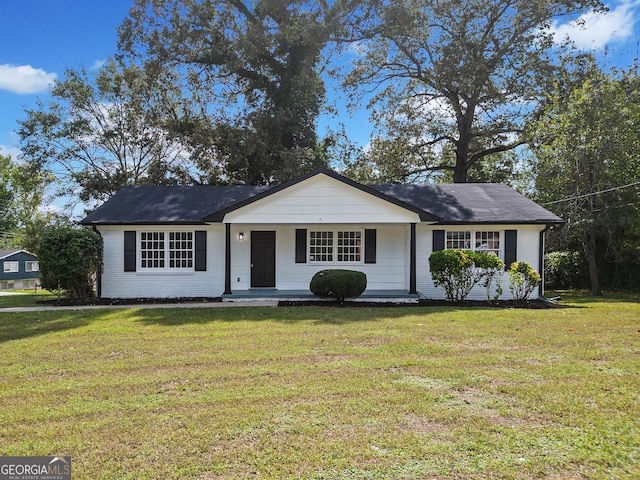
pixel 349 246
pixel 459 240
pixel 488 242
pixel 180 249
pixel 321 246
pixel 152 250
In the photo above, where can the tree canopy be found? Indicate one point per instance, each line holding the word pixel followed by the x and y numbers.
pixel 102 131
pixel 453 83
pixel 588 172
pixel 254 69
pixel 22 193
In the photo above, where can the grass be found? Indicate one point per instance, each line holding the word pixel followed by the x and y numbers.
pixel 327 393
pixel 26 298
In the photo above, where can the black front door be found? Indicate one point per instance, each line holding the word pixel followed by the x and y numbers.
pixel 263 259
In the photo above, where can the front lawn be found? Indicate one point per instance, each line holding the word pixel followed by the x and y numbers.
pixel 26 298
pixel 327 393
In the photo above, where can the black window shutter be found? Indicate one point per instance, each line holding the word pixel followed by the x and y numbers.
pixel 129 251
pixel 438 240
pixel 301 245
pixel 370 245
pixel 510 247
pixel 201 251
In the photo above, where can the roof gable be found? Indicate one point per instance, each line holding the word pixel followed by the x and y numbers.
pixel 320 199
pixel 341 198
pixel 11 252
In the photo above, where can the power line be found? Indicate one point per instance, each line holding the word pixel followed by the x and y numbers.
pixel 577 197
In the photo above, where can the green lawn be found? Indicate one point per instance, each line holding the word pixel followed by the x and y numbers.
pixel 327 393
pixel 26 298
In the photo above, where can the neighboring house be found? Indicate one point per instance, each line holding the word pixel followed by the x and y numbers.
pixel 249 241
pixel 19 270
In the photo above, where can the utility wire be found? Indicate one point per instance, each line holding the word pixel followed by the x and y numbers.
pixel 591 194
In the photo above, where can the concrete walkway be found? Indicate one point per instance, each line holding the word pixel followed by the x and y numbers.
pixel 242 303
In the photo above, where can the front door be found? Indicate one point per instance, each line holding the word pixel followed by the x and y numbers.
pixel 263 259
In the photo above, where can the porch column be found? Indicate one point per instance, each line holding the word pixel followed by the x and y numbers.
pixel 412 261
pixel 227 259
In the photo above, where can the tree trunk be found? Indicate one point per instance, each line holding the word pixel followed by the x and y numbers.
pixel 461 170
pixel 465 121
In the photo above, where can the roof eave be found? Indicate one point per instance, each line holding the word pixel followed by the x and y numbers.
pixel 168 222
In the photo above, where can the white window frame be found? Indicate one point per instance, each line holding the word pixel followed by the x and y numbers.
pixel 11 267
pixel 333 245
pixel 475 239
pixel 168 252
pixel 31 266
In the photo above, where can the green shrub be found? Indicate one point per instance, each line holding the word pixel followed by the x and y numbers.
pixel 523 279
pixel 70 259
pixel 458 271
pixel 492 268
pixel 338 284
pixel 565 270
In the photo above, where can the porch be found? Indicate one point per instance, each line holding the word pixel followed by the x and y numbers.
pixel 377 296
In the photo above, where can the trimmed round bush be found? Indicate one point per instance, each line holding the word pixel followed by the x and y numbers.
pixel 338 284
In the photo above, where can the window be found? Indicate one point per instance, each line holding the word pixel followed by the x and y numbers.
pixel 10 267
pixel 349 246
pixel 321 246
pixel 152 250
pixel 458 240
pixel 486 242
pixel 166 250
pixel 181 250
pixel 32 266
pixel 335 247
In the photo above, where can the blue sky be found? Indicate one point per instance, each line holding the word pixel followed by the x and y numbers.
pixel 40 38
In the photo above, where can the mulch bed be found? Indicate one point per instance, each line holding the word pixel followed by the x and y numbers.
pixel 531 304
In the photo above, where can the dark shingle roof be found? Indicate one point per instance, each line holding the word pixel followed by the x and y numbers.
pixel 445 204
pixel 171 205
pixel 471 203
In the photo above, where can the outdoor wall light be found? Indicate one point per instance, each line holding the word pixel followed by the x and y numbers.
pixel 241 236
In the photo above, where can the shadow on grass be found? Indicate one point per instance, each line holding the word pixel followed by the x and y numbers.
pixel 287 314
pixel 16 327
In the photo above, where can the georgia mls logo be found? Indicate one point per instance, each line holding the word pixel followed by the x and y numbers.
pixel 35 468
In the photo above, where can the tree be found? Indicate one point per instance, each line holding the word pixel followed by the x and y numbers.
pixel 104 131
pixel 69 259
pixel 258 62
pixel 588 171
pixel 455 81
pixel 21 196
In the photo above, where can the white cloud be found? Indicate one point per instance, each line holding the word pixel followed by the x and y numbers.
pixel 97 64
pixel 596 30
pixel 25 79
pixel 10 151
